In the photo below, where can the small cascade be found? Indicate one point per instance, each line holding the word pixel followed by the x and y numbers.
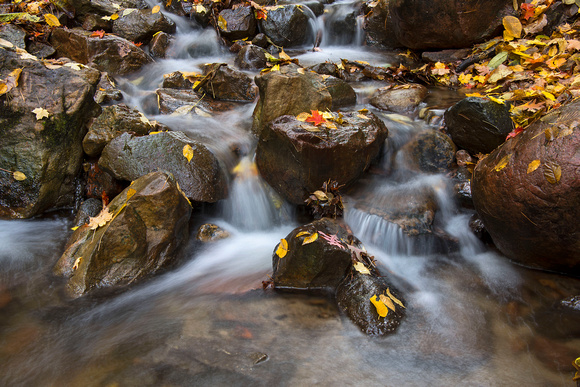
pixel 340 25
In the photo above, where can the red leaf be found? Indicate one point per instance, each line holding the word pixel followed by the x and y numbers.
pixel 261 14
pixel 514 132
pixel 138 44
pixel 99 33
pixel 528 11
pixel 316 118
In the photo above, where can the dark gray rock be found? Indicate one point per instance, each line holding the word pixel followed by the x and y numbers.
pixel 288 25
pixel 240 23
pixel 141 25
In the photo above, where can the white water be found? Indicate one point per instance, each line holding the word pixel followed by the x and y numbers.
pixel 202 323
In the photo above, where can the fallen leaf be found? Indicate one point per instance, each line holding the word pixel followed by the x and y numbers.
pixel 497 60
pixel 11 81
pixel 512 26
pixel 361 268
pixel 41 113
pixel 17 175
pixel 533 166
pixel 200 9
pixel 302 116
pixel 502 163
pixel 302 233
pixel 310 239
pixel 320 195
pixel 200 112
pixel 99 34
pixel 283 55
pixel 394 299
pixel 130 193
pixel 552 172
pixel 316 118
pixel 156 9
pixel 73 65
pixel 6 43
pixel 128 11
pixel 332 240
pixel 188 152
pixel 77 263
pixel 144 119
pixel 222 23
pixel 382 309
pixel 101 219
pixel 282 249
pixel 440 69
pixel 387 301
pixel 528 11
pixel 51 20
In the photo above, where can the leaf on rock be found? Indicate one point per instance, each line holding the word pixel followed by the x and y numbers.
pixel 11 81
pixel 101 219
pixel 320 195
pixel 310 239
pixel 387 301
pixel 282 249
pixel 19 176
pixel 552 172
pixel 188 152
pixel 156 9
pixel 283 55
pixel 361 268
pixel 512 26
pixel 302 233
pixel 316 118
pixel 77 263
pixel 382 309
pixel 99 34
pixel 302 116
pixel 41 113
pixel 51 20
pixel 533 166
pixel 200 9
pixel 394 298
pixel 502 163
pixel 130 193
pixel 332 240
pixel 222 23
pixel 128 11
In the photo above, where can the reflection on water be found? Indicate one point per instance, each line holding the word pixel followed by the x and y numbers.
pixel 473 318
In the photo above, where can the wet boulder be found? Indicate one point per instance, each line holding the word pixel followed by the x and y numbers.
pixel 478 125
pixel 288 91
pixel 189 102
pixel 354 295
pixel 110 53
pixel 225 83
pixel 288 25
pixel 211 233
pixel 340 25
pixel 427 24
pixel 342 94
pixel 113 121
pixel 296 158
pixel 429 151
pixel 100 183
pixel 45 145
pixel 251 57
pixel 378 30
pixel 14 35
pixel 238 23
pixel 87 210
pixel 102 7
pixel 139 233
pixel 399 99
pixel 318 265
pixel 140 25
pixel 159 45
pixel 527 193
pixel 195 167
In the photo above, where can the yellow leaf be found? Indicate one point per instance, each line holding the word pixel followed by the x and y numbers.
pixel 156 9
pixel 41 113
pixel 302 116
pixel 282 249
pixel 496 100
pixel 382 309
pixel 464 78
pixel 3 88
pixel 200 9
pixel 310 239
pixel 552 172
pixel 17 175
pixel 188 152
pixel 51 20
pixel 222 23
pixel 74 228
pixel 275 68
pixel 361 268
pixel 128 11
pixel 533 166
pixel 548 95
pixel 502 163
pixel 77 263
pixel 474 95
pixel 114 16
pixel 513 26
pixel 362 116
pixel 387 301
pixel 144 119
pixel 394 299
pixel 130 193
pixel 329 125
pixel 302 233
pixel 283 55
pixel 300 71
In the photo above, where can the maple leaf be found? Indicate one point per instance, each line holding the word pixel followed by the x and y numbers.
pixel 41 113
pixel 101 219
pixel 316 118
pixel 440 69
pixel 99 34
pixel 514 132
pixel 331 239
pixel 528 11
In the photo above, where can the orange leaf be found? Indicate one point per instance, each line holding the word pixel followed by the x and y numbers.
pixel 99 33
pixel 316 118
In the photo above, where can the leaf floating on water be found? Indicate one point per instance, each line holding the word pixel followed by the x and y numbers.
pixel 51 20
pixel 382 309
pixel 387 301
pixel 361 268
pixel 310 239
pixel 156 9
pixel 188 152
pixel 533 166
pixel 282 249
pixel 552 172
pixel 41 113
pixel 394 298
pixel 502 163
pixel 19 176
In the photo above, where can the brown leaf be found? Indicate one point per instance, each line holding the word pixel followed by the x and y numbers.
pixel 552 172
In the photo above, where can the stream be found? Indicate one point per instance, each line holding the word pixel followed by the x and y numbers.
pixel 473 318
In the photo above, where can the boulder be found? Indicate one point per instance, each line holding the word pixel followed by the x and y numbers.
pixel 251 57
pixel 226 83
pixel 315 266
pixel 159 45
pixel 201 178
pixel 139 233
pixel 110 53
pixel 527 193
pixel 428 24
pixel 399 99
pixel 140 25
pixel 429 151
pixel 47 150
pixel 354 296
pixel 288 25
pixel 211 233
pixel 238 23
pixel 100 184
pixel 14 35
pixel 378 30
pixel 103 7
pixel 342 94
pixel 113 121
pixel 183 102
pixel 288 92
pixel 478 125
pixel 340 25
pixel 296 158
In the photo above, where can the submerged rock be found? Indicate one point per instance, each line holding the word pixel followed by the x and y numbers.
pixel 46 147
pixel 201 178
pixel 429 151
pixel 399 99
pixel 146 228
pixel 296 158
pixel 527 193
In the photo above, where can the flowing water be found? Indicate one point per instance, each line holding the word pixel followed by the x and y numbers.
pixel 473 318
